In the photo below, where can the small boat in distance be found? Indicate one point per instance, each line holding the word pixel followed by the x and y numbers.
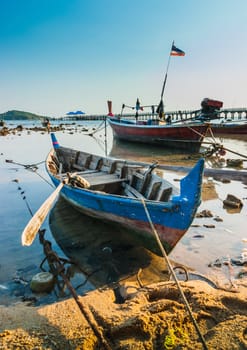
pixel 127 193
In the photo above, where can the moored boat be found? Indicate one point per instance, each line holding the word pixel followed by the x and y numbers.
pixel 128 194
pixel 229 127
pixel 185 136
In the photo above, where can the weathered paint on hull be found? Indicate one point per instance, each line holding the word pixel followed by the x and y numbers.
pixel 182 137
pixel 171 218
pixel 229 129
pixel 143 232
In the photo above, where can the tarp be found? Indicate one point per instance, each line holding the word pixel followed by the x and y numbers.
pixel 75 113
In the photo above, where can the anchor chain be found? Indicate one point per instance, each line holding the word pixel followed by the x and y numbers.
pixel 57 268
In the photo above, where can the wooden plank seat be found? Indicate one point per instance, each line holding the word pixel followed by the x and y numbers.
pixel 78 167
pixel 100 180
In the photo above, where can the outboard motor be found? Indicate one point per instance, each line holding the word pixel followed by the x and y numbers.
pixel 209 109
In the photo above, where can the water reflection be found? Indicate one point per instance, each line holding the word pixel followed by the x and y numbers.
pixel 104 253
pixel 209 191
pixel 150 153
pixel 235 145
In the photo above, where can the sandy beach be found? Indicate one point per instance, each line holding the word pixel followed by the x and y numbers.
pixel 152 316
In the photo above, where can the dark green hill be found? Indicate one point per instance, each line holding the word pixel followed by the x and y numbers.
pixel 20 115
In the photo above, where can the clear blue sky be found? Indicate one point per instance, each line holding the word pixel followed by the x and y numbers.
pixel 62 55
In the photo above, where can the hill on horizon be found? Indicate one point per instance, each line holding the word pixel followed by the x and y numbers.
pixel 20 115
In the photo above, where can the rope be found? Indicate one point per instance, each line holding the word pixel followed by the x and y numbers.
pixel 211 133
pixel 33 168
pixel 196 132
pixel 57 267
pixel 26 166
pixel 222 147
pixel 174 275
pixel 99 128
pixel 42 177
pixel 239 154
pixel 24 197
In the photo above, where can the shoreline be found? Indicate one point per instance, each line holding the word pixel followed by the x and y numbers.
pixel 148 319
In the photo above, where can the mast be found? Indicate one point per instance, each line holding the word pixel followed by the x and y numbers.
pixel 160 108
pixel 164 83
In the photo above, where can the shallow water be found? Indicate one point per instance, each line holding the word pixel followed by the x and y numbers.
pixel 18 264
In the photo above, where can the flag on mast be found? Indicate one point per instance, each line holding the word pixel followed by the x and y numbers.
pixel 176 52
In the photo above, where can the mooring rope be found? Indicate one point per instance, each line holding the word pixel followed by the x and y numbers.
pixel 55 264
pixel 99 128
pixel 215 143
pixel 57 268
pixel 174 275
pixel 238 154
pixel 33 168
pixel 211 133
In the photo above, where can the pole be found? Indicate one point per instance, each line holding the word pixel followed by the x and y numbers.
pixel 105 138
pixel 164 83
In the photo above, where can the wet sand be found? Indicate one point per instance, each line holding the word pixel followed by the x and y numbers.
pixel 153 316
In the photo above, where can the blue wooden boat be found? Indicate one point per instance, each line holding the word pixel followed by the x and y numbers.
pixel 119 191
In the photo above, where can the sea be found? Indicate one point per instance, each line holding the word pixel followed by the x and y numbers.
pixel 214 246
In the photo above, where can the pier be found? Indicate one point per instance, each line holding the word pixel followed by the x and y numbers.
pixel 229 114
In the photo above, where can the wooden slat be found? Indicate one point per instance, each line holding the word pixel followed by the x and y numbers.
pixel 96 162
pixel 88 172
pixel 77 167
pixel 138 175
pixel 132 192
pixel 103 179
pixel 165 194
pixel 154 190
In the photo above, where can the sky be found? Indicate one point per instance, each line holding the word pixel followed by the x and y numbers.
pixel 58 56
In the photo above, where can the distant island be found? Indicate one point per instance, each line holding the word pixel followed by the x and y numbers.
pixel 20 115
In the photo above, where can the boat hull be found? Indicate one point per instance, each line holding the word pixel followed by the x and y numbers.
pixel 229 128
pixel 185 137
pixel 171 218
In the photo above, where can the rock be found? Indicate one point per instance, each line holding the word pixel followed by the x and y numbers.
pixel 225 181
pixel 4 131
pixel 19 128
pixel 232 202
pixel 235 163
pixel 42 282
pixel 218 219
pixel 204 214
